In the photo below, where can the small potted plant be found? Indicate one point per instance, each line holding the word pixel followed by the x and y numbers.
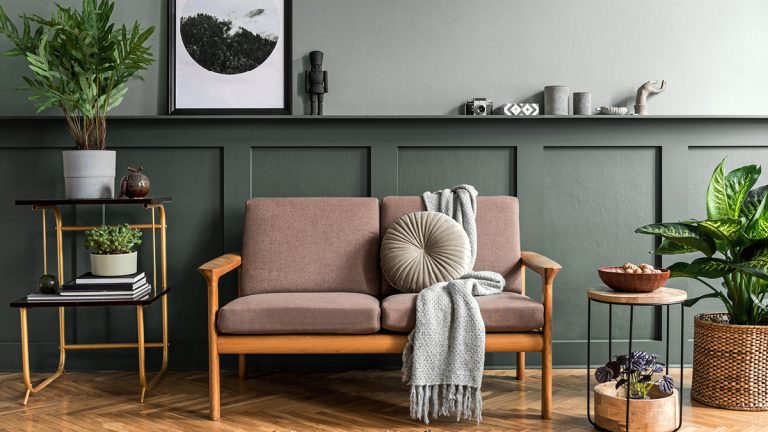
pixel 111 249
pixel 653 402
pixel 81 62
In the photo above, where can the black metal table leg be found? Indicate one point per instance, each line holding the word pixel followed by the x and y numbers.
pixel 629 356
pixel 610 331
pixel 589 358
pixel 666 355
pixel 682 360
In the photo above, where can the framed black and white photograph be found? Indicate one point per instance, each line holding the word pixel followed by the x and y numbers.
pixel 229 57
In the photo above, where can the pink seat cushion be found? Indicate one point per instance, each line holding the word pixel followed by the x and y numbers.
pixel 498 234
pixel 297 313
pixel 504 312
pixel 311 245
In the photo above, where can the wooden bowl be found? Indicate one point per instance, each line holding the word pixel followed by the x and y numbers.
pixel 632 282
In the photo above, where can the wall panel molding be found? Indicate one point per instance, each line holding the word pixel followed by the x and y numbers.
pixel 212 165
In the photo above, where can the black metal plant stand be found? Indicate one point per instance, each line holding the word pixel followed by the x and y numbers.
pixel 659 298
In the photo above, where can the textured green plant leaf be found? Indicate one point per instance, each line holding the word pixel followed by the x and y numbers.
pixel 738 184
pixel 752 202
pixel 668 247
pixel 726 193
pixel 717 197
pixel 683 234
pixel 709 268
pixel 757 227
pixel 721 229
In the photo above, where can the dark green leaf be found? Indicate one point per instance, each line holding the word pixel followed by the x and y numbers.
pixel 692 301
pixel 668 247
pixel 757 267
pixel 681 269
pixel 683 234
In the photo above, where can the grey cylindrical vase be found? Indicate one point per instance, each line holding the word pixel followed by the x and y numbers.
pixel 582 103
pixel 556 100
pixel 89 174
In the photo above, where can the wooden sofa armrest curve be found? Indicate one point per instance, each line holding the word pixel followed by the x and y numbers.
pixel 545 267
pixel 218 267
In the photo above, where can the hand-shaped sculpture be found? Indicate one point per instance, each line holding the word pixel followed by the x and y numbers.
pixel 641 108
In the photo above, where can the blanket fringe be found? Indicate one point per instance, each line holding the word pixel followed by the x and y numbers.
pixel 463 401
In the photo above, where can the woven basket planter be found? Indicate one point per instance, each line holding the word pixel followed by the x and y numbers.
pixel 730 364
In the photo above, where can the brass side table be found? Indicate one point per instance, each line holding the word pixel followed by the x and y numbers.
pixel 660 297
pixel 158 292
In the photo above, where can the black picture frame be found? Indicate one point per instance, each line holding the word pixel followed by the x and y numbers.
pixel 286 40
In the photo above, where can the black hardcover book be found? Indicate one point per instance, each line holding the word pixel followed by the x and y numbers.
pixel 73 286
pixel 89 278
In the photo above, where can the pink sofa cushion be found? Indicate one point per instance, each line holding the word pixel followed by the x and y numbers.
pixel 504 312
pixel 311 245
pixel 498 234
pixel 296 313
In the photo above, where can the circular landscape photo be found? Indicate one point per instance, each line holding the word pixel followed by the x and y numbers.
pixel 230 37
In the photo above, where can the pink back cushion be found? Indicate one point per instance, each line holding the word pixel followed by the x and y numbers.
pixel 311 245
pixel 498 234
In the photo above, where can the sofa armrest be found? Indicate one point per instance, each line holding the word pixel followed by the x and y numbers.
pixel 212 271
pixel 545 267
pixel 218 267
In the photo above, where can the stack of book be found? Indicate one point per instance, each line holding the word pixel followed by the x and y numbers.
pixel 88 287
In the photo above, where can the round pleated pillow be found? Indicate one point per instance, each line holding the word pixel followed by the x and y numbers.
pixel 421 249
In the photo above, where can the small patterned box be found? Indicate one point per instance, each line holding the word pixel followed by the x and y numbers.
pixel 520 109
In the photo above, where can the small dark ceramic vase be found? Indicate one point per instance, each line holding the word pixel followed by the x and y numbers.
pixel 135 184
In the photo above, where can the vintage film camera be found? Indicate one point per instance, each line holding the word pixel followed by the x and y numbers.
pixel 478 107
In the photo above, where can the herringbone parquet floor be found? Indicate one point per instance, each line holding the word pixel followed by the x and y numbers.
pixel 305 401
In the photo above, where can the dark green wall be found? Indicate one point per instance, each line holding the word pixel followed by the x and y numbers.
pixel 584 184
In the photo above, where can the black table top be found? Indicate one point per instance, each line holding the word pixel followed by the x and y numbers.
pixel 90 201
pixel 150 298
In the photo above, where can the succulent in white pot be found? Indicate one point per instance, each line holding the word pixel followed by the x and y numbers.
pixel 111 249
pixel 81 62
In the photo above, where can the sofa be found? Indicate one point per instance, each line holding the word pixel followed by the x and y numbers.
pixel 309 283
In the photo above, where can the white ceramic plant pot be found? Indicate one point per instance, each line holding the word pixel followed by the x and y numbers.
pixel 113 265
pixel 89 173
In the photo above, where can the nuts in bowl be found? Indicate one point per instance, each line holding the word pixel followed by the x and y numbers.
pixel 642 268
pixel 633 278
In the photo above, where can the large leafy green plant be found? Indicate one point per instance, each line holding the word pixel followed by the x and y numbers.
pixel 80 62
pixel 734 241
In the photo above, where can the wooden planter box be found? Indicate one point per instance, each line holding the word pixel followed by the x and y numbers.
pixel 730 365
pixel 660 413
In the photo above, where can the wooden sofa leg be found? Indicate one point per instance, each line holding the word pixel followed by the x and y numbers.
pixel 546 381
pixel 520 366
pixel 242 371
pixel 214 384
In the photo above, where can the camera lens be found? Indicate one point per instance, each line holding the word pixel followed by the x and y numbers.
pixel 479 109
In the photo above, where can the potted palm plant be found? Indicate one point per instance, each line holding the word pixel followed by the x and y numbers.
pixel 730 369
pixel 111 249
pixel 81 62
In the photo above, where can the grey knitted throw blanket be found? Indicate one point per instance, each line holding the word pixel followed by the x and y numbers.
pixel 445 354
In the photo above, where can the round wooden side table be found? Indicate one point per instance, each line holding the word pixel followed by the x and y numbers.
pixel 660 297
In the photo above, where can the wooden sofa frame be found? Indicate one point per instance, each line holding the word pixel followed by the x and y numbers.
pixel 381 343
